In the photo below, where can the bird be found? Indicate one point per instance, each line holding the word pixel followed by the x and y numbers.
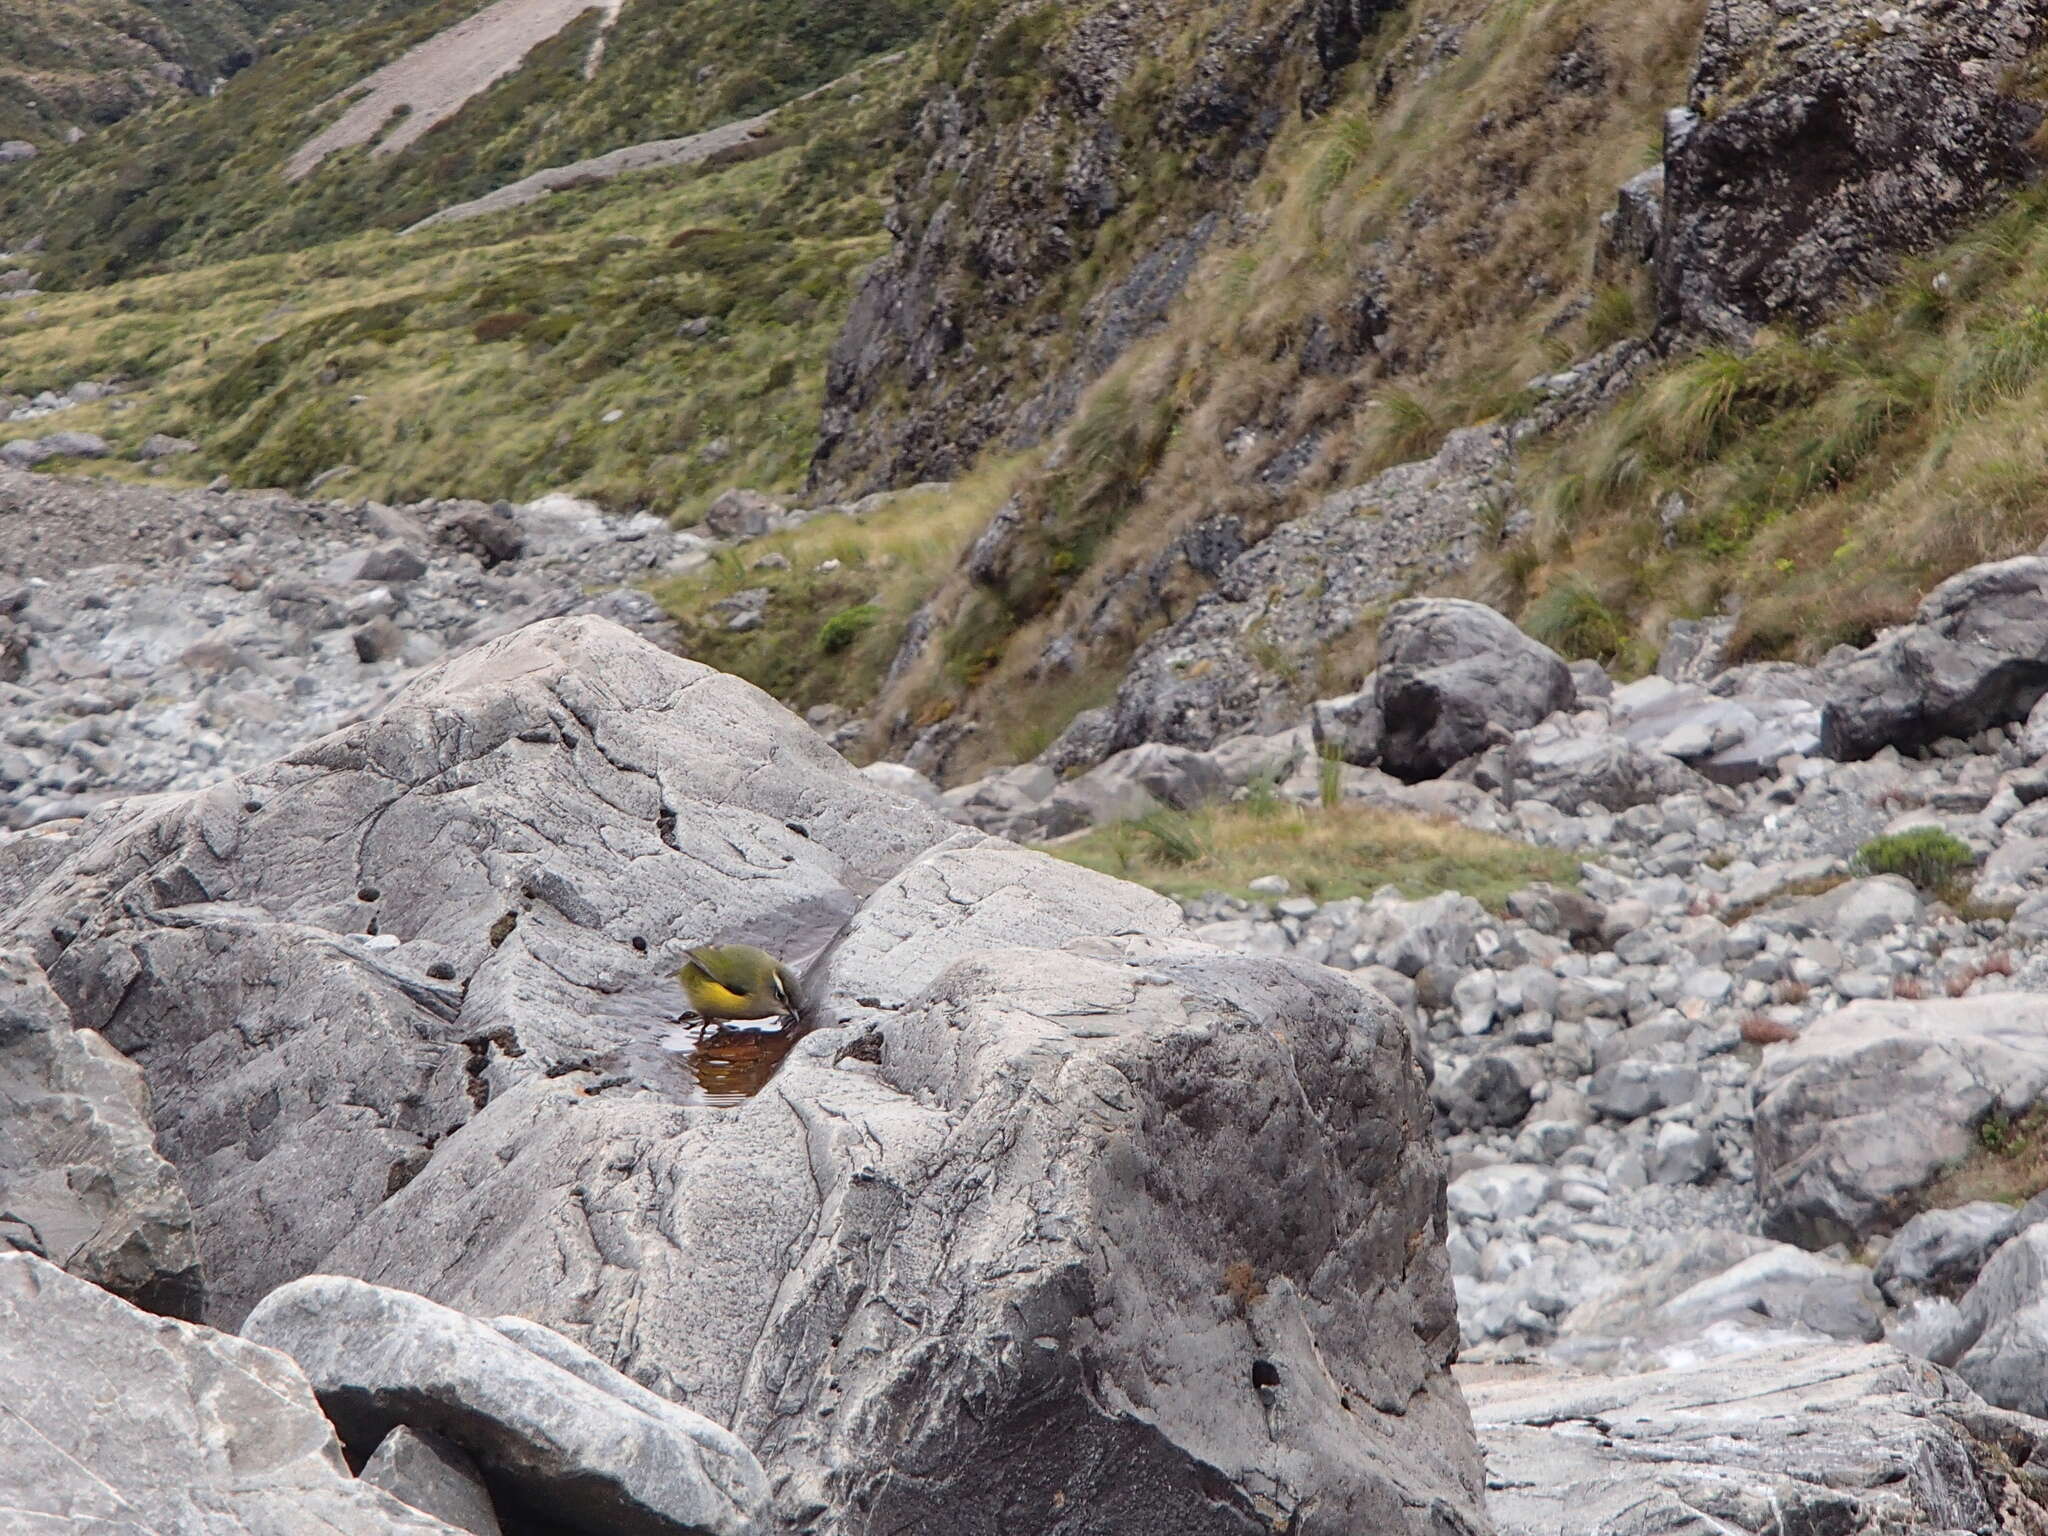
pixel 738 981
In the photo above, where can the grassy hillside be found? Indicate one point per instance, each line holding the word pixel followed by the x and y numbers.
pixel 1823 483
pixel 66 65
pixel 1454 187
pixel 198 182
pixel 482 358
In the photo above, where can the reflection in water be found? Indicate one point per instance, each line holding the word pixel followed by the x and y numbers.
pixel 732 1066
pixel 684 1059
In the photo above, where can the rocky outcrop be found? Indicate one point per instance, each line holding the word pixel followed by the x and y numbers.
pixel 81 1182
pixel 1234 663
pixel 324 966
pixel 941 1302
pixel 1975 655
pixel 1053 1200
pixel 1856 1118
pixel 1024 152
pixel 1787 1439
pixel 114 1420
pixel 562 1436
pixel 1817 146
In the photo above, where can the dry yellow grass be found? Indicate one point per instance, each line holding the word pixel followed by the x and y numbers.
pixel 1326 852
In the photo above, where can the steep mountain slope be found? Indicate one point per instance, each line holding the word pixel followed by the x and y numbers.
pixel 67 67
pixel 210 180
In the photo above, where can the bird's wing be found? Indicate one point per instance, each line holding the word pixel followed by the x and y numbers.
pixel 722 966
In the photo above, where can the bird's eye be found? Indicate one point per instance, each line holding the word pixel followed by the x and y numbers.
pixel 781 996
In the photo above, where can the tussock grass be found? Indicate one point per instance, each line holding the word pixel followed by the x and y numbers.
pixel 2010 1164
pixel 1458 190
pixel 1328 852
pixel 828 636
pixel 1829 479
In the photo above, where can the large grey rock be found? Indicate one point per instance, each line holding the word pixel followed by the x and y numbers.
pixel 435 1476
pixel 2004 1331
pixel 1938 1253
pixel 544 825
pixel 1859 1115
pixel 1975 655
pixel 1717 1292
pixel 81 1182
pixel 584 1448
pixel 1854 912
pixel 1568 767
pixel 1092 1199
pixel 1731 741
pixel 1802 1437
pixel 113 1421
pixel 1452 676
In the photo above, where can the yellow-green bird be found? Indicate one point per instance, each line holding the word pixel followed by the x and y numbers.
pixel 738 981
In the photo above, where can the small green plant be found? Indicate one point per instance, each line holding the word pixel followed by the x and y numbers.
pixel 1929 857
pixel 847 626
pixel 1612 316
pixel 1262 797
pixel 1173 837
pixel 1572 620
pixel 1330 780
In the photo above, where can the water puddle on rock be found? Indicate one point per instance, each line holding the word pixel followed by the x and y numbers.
pixel 663 1049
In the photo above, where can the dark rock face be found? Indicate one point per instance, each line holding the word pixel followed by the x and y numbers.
pixel 1818 146
pixel 1021 159
pixel 1975 655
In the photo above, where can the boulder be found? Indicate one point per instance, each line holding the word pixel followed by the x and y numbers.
pixel 2004 1332
pixel 1858 1116
pixel 113 1420
pixel 1801 1437
pixel 1975 655
pixel 493 535
pixel 1694 650
pixel 1731 741
pixel 581 1447
pixel 1105 1213
pixel 1350 728
pixel 1853 912
pixel 741 514
pixel 434 1476
pixel 81 1182
pixel 1454 673
pixel 1629 1090
pixel 1717 1292
pixel 850 1248
pixel 1568 767
pixel 1938 1253
pixel 389 564
pixel 75 445
pixel 542 828
pixel 160 446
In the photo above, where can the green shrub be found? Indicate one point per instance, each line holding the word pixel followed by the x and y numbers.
pixel 847 626
pixel 1573 621
pixel 1927 856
